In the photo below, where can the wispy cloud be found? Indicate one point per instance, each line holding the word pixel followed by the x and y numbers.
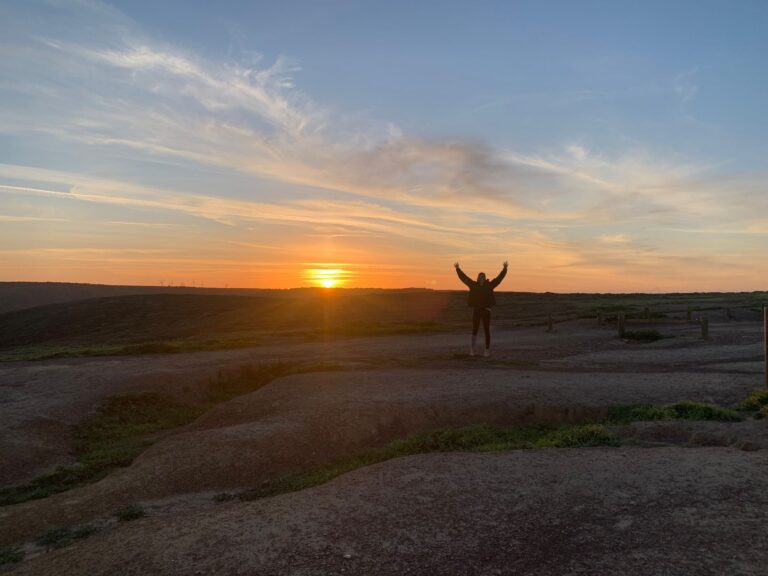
pixel 104 87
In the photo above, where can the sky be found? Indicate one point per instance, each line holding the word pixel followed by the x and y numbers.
pixel 598 146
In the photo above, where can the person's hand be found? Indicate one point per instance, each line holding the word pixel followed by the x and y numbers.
pixel 456 265
pixel 506 263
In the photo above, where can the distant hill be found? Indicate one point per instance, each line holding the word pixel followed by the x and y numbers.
pixel 178 319
pixel 160 317
pixel 20 295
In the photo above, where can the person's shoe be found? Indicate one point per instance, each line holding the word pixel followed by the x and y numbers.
pixel 487 352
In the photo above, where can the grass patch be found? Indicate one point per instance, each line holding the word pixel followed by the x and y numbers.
pixel 479 438
pixel 151 347
pixel 758 400
pixel 61 537
pixel 109 439
pixel 485 438
pixel 11 556
pixel 643 335
pixel 628 413
pixel 117 433
pixel 132 512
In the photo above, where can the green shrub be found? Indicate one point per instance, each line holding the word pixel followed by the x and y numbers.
pixel 755 401
pixel 699 411
pixel 627 413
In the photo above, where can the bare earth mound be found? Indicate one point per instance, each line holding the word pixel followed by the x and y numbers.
pixel 627 511
pixel 309 419
pixel 649 509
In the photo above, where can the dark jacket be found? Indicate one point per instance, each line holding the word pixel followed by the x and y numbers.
pixel 481 295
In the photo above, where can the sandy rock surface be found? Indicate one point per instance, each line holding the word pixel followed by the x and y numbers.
pixel 622 511
pixel 309 419
pixel 39 401
pixel 687 498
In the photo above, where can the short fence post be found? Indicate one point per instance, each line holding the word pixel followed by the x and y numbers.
pixel 550 324
pixel 704 327
pixel 688 313
pixel 728 314
pixel 621 324
pixel 765 341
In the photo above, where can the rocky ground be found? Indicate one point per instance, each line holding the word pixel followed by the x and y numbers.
pixel 686 498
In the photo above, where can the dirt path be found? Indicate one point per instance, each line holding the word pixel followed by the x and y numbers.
pixel 623 511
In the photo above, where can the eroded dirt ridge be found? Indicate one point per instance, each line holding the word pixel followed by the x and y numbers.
pixel 653 506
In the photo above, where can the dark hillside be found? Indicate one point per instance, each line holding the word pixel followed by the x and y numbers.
pixel 198 321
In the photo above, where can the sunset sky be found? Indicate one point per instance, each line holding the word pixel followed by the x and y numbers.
pixel 608 146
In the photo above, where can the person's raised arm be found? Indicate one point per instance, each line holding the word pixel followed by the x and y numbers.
pixel 496 281
pixel 463 277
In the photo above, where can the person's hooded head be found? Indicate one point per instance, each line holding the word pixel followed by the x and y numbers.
pixel 481 278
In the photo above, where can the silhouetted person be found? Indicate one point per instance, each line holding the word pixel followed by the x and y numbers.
pixel 481 298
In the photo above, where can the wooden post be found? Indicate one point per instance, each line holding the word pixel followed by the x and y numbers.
pixel 688 313
pixel 621 324
pixel 704 327
pixel 728 314
pixel 765 341
pixel 550 324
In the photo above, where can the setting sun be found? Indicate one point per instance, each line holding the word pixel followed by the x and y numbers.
pixel 327 277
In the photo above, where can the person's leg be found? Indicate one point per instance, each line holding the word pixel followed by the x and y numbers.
pixel 475 327
pixel 487 329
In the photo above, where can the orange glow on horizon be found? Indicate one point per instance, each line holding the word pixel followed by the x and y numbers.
pixel 327 277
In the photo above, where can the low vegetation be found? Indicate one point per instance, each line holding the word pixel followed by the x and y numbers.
pixel 118 432
pixel 109 439
pixel 29 354
pixel 483 438
pixel 10 556
pixel 628 413
pixel 61 537
pixel 170 322
pixel 223 497
pixel 129 513
pixel 480 438
pixel 758 400
pixel 643 335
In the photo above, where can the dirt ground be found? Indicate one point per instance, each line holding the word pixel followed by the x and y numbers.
pixel 39 401
pixel 683 502
pixel 627 511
